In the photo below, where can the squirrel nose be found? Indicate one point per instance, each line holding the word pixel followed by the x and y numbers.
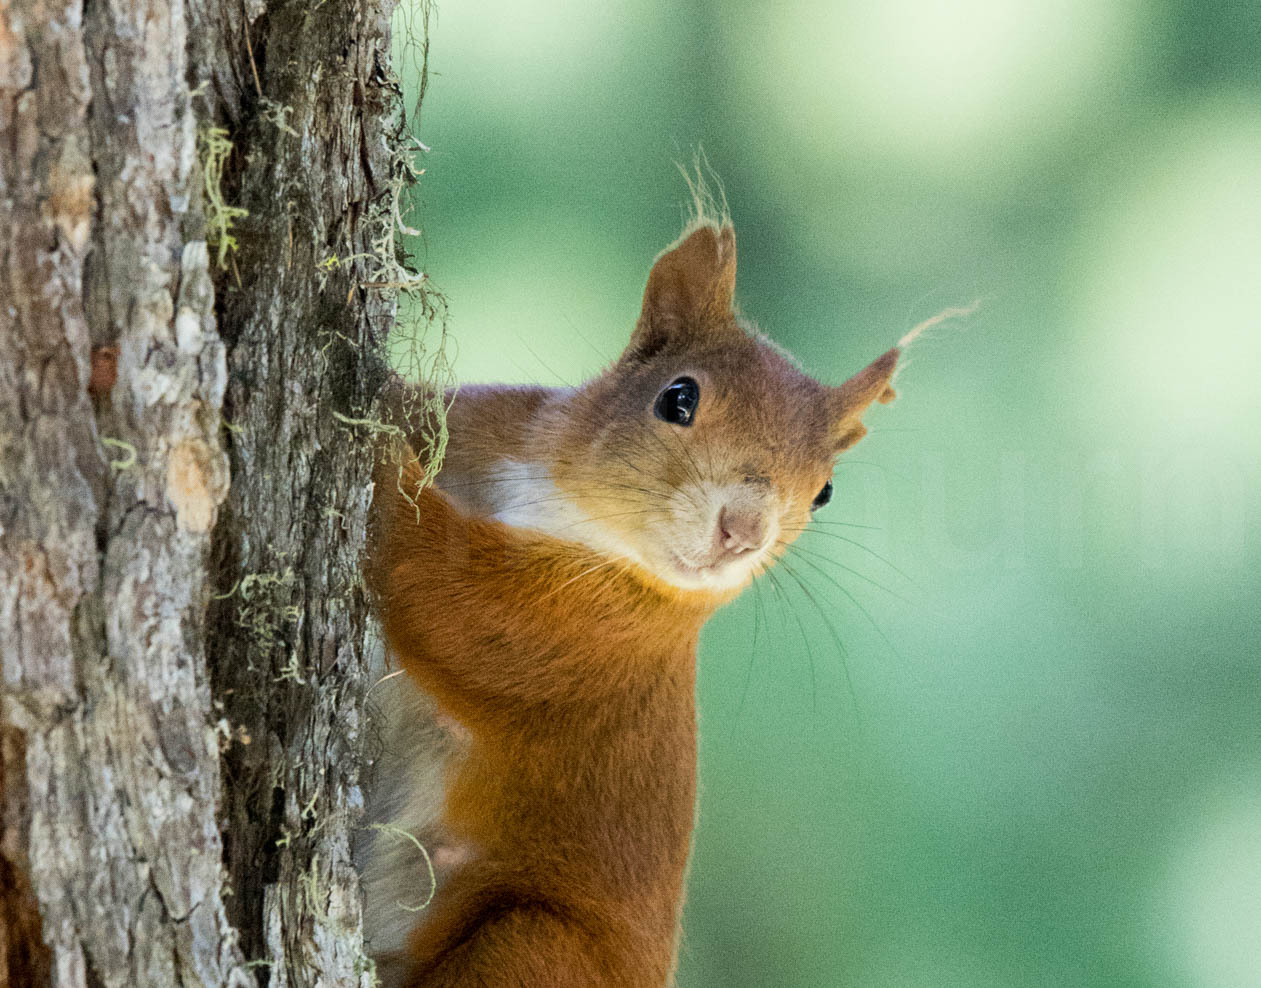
pixel 740 530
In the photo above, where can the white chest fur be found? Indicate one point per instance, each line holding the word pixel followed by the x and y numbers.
pixel 524 495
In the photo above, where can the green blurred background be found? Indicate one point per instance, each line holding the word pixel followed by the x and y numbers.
pixel 1048 769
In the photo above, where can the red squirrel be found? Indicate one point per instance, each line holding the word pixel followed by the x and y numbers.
pixel 547 595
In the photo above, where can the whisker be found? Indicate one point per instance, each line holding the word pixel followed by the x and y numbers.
pixel 488 480
pixel 596 491
pixel 652 491
pixel 849 679
pixel 854 600
pixel 690 467
pixel 579 333
pixel 544 364
pixel 600 485
pixel 845 461
pixel 637 469
pixel 616 514
pixel 551 498
pixel 867 549
pixel 661 445
pixel 690 470
pixel 748 673
pixel 805 640
pixel 702 478
pixel 585 572
pixel 850 569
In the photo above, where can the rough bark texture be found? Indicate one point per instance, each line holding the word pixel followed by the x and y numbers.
pixel 178 773
pixel 290 630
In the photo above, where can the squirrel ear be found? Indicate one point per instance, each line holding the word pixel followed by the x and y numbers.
pixel 689 291
pixel 847 403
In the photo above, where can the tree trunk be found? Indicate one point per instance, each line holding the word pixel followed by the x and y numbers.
pixel 185 431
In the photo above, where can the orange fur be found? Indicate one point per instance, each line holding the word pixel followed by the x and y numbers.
pixel 571 665
pixel 559 704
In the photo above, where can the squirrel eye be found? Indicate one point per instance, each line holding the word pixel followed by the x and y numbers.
pixel 823 497
pixel 677 403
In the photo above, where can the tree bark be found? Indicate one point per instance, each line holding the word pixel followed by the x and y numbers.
pixel 184 468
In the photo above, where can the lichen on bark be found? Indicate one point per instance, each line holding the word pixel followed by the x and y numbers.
pixel 183 631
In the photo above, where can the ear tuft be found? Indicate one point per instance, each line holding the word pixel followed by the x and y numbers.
pixel 848 402
pixel 690 291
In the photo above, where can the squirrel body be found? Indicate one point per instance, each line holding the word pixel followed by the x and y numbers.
pixel 547 598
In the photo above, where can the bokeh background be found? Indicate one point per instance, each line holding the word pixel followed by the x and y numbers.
pixel 1003 726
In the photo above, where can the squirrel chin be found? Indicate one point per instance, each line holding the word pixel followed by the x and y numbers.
pixel 717 577
pixel 706 588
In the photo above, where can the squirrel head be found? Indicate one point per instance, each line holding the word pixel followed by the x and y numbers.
pixel 703 451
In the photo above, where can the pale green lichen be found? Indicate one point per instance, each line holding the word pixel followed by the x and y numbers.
pixel 276 114
pixel 420 347
pixel 407 835
pixel 127 460
pixel 213 148
pixel 265 604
